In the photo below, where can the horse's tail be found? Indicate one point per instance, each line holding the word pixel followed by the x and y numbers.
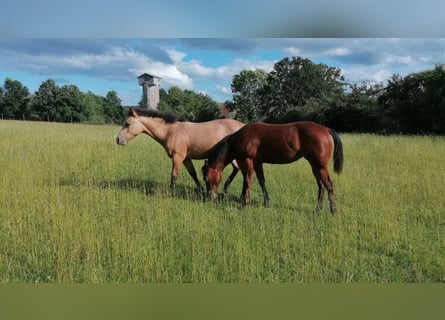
pixel 338 151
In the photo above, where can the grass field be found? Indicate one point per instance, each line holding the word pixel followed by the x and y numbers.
pixel 75 207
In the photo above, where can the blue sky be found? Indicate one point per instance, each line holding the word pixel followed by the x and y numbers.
pixel 204 65
pixel 200 45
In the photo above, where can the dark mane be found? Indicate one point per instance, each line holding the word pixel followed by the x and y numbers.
pixel 166 116
pixel 220 150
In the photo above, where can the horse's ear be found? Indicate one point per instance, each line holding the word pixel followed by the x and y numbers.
pixel 132 112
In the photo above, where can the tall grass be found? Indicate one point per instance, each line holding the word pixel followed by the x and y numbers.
pixel 75 207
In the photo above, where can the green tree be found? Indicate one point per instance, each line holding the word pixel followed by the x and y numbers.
pixel 196 107
pixel 94 107
pixel 295 81
pixel 247 87
pixel 358 110
pixel 44 102
pixel 112 108
pixel 15 99
pixel 163 100
pixel 416 103
pixel 1 101
pixel 206 108
pixel 69 106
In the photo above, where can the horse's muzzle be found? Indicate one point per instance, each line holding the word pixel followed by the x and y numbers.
pixel 121 141
pixel 213 195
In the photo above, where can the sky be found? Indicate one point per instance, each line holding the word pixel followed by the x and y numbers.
pixel 200 45
pixel 205 65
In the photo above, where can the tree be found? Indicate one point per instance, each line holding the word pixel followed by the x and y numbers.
pixel 44 103
pixel 112 108
pixel 15 99
pixel 196 107
pixel 1 101
pixel 69 106
pixel 94 108
pixel 358 110
pixel 247 87
pixel 415 104
pixel 206 108
pixel 295 81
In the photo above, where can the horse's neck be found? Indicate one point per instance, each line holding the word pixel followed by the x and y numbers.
pixel 225 158
pixel 156 128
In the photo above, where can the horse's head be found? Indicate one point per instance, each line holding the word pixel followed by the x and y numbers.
pixel 212 178
pixel 132 127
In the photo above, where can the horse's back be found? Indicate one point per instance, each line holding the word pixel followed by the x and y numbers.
pixel 202 136
pixel 283 143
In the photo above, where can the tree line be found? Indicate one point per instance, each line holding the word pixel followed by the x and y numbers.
pixel 58 103
pixel 296 89
pixel 68 104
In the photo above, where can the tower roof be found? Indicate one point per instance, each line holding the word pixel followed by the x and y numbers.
pixel 148 76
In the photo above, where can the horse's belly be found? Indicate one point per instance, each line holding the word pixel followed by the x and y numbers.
pixel 279 154
pixel 278 158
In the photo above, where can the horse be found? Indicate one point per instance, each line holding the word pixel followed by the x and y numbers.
pixel 181 139
pixel 259 143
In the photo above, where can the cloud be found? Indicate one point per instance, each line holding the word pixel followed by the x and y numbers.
pixel 208 65
pixel 329 52
pixel 375 74
pixel 217 44
pixel 224 90
pixel 123 63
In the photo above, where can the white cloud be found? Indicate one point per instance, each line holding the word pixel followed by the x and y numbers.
pixel 358 74
pixel 335 52
pixel 176 56
pixel 292 51
pixel 312 53
pixel 404 60
pixel 197 70
pixel 224 90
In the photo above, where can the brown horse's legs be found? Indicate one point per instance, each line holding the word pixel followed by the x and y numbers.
pixel 247 170
pixel 327 182
pixel 318 179
pixel 191 170
pixel 330 187
pixel 172 183
pixel 262 181
pixel 324 182
pixel 230 178
pixel 320 196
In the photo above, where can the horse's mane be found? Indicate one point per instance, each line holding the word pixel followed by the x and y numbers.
pixel 220 149
pixel 168 117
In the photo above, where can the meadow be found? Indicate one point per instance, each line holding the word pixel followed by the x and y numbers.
pixel 77 208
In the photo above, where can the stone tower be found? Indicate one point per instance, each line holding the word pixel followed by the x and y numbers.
pixel 150 90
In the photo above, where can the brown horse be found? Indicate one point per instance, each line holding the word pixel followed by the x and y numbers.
pixel 182 140
pixel 259 143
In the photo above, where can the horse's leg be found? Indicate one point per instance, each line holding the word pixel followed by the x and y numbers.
pixel 318 179
pixel 324 180
pixel 231 177
pixel 247 170
pixel 176 166
pixel 327 182
pixel 262 181
pixel 191 170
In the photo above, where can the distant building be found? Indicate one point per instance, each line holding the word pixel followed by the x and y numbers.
pixel 150 90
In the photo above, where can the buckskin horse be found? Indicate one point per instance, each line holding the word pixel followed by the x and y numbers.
pixel 181 139
pixel 259 143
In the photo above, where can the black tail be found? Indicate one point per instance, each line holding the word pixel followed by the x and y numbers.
pixel 338 151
